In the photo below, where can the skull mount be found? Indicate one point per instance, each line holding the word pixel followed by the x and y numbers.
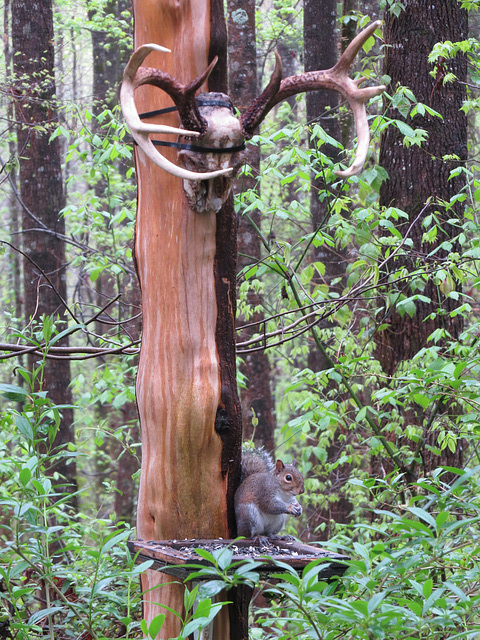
pixel 208 174
pixel 224 132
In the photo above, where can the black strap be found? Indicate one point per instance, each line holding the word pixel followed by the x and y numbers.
pixel 192 147
pixel 156 112
pixel 201 103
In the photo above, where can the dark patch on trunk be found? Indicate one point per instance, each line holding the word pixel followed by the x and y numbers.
pixel 218 47
pixel 229 415
pixel 228 422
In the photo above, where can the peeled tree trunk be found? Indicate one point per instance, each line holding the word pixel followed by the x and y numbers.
pixel 186 466
pixel 186 261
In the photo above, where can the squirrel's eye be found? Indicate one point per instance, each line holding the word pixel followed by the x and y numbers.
pixel 288 477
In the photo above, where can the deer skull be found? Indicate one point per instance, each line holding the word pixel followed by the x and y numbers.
pixel 224 131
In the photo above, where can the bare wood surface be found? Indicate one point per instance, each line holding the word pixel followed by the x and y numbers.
pixel 182 489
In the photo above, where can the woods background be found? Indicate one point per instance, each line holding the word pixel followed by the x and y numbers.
pixel 357 327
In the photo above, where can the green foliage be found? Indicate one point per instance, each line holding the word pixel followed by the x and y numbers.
pixel 413 540
pixel 279 24
pixel 394 6
pixel 412 573
pixel 62 574
pixel 429 407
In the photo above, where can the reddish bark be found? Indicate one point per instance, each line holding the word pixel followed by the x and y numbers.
pixel 186 390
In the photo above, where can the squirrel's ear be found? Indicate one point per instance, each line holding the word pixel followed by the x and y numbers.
pixel 294 462
pixel 279 466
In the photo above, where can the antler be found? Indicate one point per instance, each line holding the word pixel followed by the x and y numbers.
pixel 184 99
pixel 335 78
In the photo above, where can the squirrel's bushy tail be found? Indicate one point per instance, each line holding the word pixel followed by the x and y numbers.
pixel 256 461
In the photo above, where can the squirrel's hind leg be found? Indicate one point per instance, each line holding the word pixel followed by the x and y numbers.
pixel 249 520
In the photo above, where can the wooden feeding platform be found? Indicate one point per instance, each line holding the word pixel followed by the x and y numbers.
pixel 174 556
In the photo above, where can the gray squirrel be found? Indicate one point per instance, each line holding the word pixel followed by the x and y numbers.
pixel 266 494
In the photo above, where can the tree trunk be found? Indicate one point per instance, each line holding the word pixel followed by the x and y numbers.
pixel 321 52
pixel 186 388
pixel 257 398
pixel 109 59
pixel 41 188
pixel 13 204
pixel 415 173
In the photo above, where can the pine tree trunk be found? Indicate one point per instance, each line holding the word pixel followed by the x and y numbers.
pixel 13 204
pixel 418 173
pixel 257 398
pixel 41 188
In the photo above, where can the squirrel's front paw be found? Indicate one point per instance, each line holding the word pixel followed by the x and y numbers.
pixel 295 509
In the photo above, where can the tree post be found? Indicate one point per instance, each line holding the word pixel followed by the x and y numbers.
pixel 186 261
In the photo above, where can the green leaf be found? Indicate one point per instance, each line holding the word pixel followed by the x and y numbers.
pixel 189 597
pixel 441 518
pixel 415 607
pixel 202 621
pixel 65 332
pixel 25 475
pixel 111 542
pixel 427 588
pixel 375 601
pixel 156 625
pixel 369 44
pixel 38 486
pixel 12 392
pixel 423 515
pixel 458 369
pixel 206 555
pixel 203 608
pixel 100 586
pixel 211 588
pixel 43 613
pixel 421 399
pixel 24 426
pixel 224 558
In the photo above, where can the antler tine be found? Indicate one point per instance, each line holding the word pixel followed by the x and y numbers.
pixel 348 56
pixel 182 95
pixel 335 78
pixel 259 108
pixel 356 97
pixel 139 130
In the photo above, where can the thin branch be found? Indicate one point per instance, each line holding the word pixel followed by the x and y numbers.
pixel 375 427
pixel 42 273
pixel 67 353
